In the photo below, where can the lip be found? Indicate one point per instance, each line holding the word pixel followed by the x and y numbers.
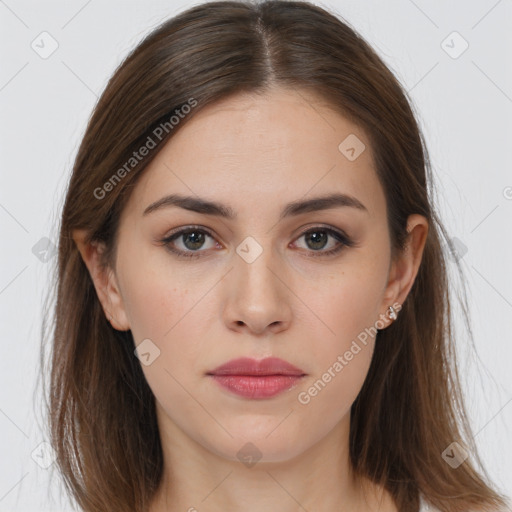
pixel 255 379
pixel 248 366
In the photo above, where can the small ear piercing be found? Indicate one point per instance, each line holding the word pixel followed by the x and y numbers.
pixel 391 313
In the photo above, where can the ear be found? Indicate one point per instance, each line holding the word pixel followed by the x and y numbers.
pixel 104 280
pixel 405 266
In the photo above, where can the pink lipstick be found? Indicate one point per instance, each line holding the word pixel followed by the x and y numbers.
pixel 254 379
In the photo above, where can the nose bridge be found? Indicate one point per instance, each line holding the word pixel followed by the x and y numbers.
pixel 258 297
pixel 254 264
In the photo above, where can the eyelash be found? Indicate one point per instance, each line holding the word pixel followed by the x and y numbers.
pixel 341 237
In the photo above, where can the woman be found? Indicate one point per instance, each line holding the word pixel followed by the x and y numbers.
pixel 253 309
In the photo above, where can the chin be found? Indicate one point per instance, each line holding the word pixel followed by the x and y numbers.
pixel 251 446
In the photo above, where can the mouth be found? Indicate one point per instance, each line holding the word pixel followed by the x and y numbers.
pixel 254 379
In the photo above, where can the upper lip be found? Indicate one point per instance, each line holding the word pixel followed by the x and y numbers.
pixel 248 366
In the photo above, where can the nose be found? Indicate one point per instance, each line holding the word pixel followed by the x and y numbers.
pixel 257 299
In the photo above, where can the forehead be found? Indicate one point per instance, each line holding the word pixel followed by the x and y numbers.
pixel 276 147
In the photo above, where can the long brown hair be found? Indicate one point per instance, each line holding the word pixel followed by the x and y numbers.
pixel 101 411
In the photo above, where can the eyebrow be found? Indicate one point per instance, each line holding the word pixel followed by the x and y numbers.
pixel 298 207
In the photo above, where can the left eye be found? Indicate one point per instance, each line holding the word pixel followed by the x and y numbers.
pixel 317 238
pixel 192 239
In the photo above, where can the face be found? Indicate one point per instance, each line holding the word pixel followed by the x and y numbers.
pixel 303 284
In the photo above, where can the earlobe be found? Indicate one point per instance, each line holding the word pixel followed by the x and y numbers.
pixel 104 280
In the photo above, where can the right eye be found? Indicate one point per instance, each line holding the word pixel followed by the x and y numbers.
pixel 191 239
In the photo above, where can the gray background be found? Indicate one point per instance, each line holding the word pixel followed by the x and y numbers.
pixel 463 102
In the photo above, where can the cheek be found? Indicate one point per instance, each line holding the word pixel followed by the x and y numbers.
pixel 166 311
pixel 326 398
pixel 172 320
pixel 342 357
pixel 156 297
pixel 153 309
pixel 165 306
pixel 348 308
pixel 348 303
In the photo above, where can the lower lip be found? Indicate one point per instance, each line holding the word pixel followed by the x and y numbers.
pixel 250 386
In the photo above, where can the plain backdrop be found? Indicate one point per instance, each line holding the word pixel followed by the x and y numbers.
pixel 452 57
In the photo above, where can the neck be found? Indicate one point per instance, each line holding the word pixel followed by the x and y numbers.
pixel 319 478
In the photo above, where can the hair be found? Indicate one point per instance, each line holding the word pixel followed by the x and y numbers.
pixel 101 411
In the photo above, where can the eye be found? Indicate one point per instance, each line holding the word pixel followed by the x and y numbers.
pixel 317 238
pixel 190 240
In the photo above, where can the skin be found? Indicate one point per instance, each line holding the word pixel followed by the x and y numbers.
pixel 255 154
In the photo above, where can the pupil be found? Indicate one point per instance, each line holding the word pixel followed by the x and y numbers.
pixel 318 241
pixel 196 244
